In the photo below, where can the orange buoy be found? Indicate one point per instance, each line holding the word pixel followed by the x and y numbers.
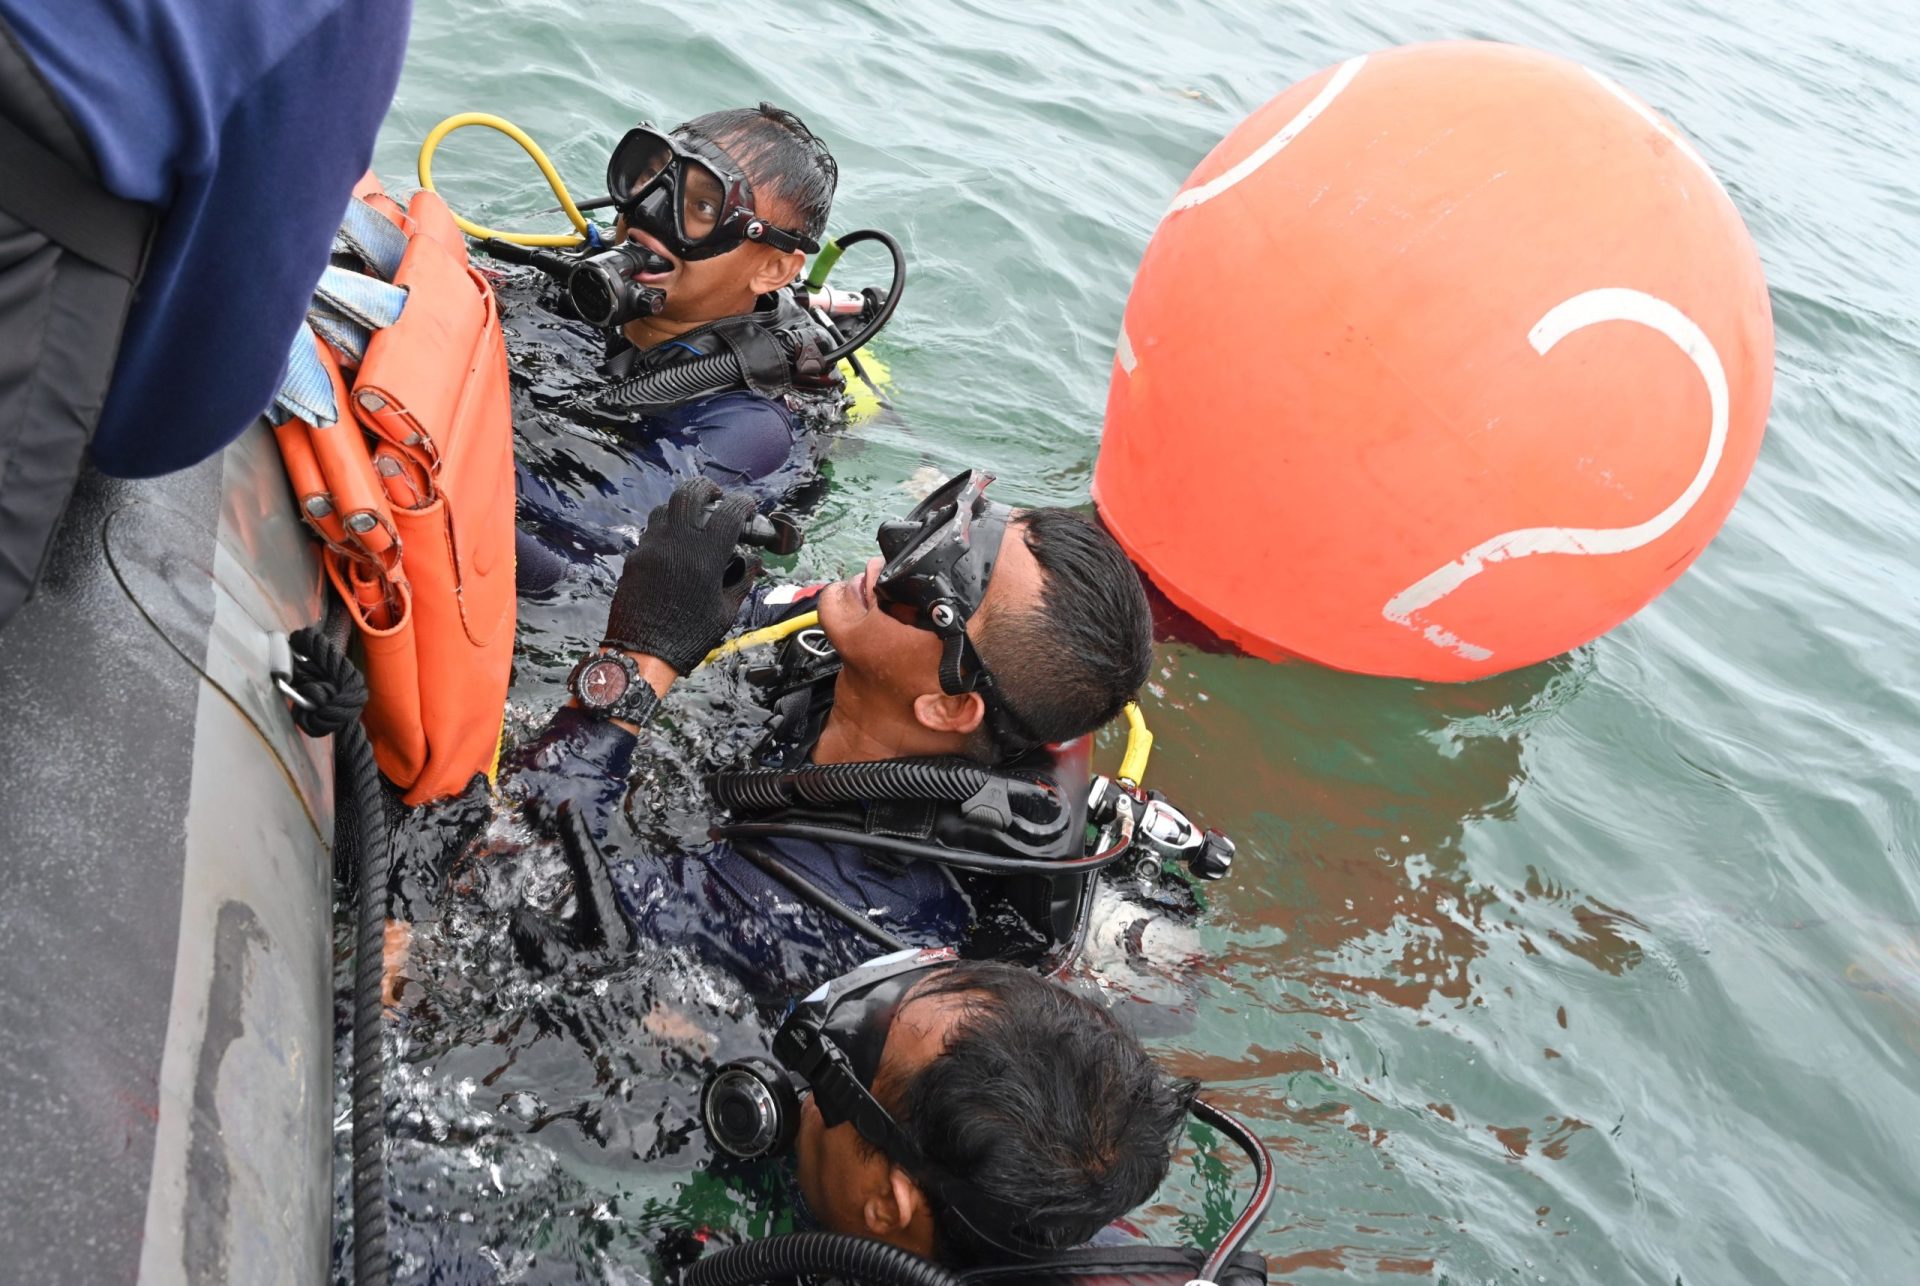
pixel 1448 359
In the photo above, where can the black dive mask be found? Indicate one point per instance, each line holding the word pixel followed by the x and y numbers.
pixel 685 191
pixel 830 1044
pixel 940 559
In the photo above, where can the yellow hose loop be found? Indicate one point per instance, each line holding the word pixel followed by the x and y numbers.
pixel 1133 766
pixel 439 133
pixel 771 634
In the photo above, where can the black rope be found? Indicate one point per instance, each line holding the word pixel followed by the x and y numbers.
pixel 330 696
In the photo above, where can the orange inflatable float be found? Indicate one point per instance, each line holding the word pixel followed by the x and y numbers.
pixel 1448 359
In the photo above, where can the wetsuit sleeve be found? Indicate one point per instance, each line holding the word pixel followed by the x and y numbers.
pixel 575 759
pixel 745 440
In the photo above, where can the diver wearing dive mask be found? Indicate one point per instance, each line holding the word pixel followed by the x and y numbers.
pixel 939 560
pixel 992 1149
pixel 689 194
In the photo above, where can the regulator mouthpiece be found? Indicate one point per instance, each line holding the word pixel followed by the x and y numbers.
pixel 603 290
pixel 777 533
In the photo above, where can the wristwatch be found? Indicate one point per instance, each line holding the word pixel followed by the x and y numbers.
pixel 608 686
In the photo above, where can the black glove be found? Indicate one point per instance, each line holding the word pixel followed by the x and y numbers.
pixel 681 589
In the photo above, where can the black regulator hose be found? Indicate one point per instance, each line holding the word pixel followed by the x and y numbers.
pixel 681 382
pixel 946 780
pixel 888 302
pixel 824 1254
pixel 328 695
pixel 1256 1207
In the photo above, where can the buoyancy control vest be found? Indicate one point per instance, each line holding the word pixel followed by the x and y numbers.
pixel 396 429
pixel 1016 831
pixel 773 351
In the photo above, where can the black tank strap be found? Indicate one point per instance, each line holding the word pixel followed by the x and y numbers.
pixel 55 198
pixel 764 365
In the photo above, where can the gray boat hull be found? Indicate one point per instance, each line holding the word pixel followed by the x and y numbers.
pixel 165 890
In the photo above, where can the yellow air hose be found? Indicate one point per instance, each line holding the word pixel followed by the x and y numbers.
pixel 438 134
pixel 1133 765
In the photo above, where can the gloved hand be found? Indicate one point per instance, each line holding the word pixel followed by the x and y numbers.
pixel 682 587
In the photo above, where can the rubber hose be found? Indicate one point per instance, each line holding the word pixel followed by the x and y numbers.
pixel 941 780
pixel 1262 1197
pixel 860 1259
pixel 672 385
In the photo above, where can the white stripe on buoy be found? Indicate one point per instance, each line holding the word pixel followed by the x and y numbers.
pixel 1271 148
pixel 1124 353
pixel 1583 310
pixel 1653 118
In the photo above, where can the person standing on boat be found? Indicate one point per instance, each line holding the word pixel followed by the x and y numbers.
pixel 172 173
pixel 720 213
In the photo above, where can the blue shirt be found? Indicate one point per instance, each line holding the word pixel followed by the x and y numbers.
pixel 246 123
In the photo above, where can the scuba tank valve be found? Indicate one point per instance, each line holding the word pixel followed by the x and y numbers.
pixel 1161 832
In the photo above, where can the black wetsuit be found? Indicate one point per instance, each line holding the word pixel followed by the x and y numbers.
pixel 712 900
pixel 582 494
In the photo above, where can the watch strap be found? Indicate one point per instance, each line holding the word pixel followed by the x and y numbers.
pixel 636 703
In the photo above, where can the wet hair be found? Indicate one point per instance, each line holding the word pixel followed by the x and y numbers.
pixel 1072 661
pixel 782 158
pixel 1041 1103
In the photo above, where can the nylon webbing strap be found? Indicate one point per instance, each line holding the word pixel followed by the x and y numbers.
pixel 372 238
pixel 69 208
pixel 349 306
pixel 307 391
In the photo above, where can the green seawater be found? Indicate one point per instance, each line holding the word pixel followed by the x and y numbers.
pixel 1606 971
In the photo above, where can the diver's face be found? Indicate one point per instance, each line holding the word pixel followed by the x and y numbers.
pixel 880 647
pixel 704 290
pixel 852 1187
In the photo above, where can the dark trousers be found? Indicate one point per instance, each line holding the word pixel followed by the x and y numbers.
pixel 60 322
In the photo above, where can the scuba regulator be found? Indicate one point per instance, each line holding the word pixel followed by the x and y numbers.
pixel 687 194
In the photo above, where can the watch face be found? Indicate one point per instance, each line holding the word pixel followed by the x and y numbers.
pixel 603 682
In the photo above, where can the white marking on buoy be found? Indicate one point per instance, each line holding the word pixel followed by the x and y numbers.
pixel 1271 148
pixel 1583 310
pixel 1124 353
pixel 1651 117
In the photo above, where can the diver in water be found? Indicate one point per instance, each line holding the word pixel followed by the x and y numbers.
pixel 970 1112
pixel 920 714
pixel 715 218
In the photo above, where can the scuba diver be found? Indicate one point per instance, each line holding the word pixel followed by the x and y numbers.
pixel 716 219
pixel 925 765
pixel 968 1112
pixel 937 710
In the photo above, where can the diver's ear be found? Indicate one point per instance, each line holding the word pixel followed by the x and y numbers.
pixel 893 1209
pixel 938 712
pixel 777 269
